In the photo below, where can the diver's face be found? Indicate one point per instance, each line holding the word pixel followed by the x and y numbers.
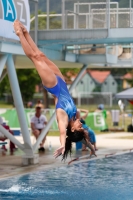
pixel 78 115
pixel 76 125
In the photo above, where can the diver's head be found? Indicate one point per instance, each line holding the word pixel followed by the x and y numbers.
pixel 75 125
pixel 75 133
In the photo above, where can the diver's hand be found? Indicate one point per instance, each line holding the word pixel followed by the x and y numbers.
pixel 93 153
pixel 59 151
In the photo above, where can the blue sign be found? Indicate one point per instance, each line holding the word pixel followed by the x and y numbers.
pixel 9 10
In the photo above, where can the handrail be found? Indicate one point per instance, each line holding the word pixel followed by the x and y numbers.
pixel 91 15
pixel 72 13
pixel 36 1
pixel 95 3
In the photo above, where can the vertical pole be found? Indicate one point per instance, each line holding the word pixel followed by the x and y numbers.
pixel 3 59
pixel 77 21
pixel 63 14
pixel 130 4
pixel 123 119
pixel 75 17
pixel 117 14
pixel 92 21
pixel 47 14
pixel 108 16
pixel 19 104
pixel 66 13
pixel 90 17
pixel 36 22
pixel 4 73
pixel 110 99
pixel 87 21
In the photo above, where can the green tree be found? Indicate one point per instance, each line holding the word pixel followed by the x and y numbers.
pixel 73 70
pixel 54 23
pixel 4 87
pixel 130 81
pixel 28 79
pixel 97 88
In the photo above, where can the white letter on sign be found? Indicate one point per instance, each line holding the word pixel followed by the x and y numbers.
pixel 9 9
pixel 21 12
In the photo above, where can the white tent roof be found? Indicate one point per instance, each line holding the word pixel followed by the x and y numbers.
pixel 126 94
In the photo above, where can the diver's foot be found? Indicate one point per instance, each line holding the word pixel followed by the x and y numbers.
pixel 17 27
pixel 24 30
pixel 84 149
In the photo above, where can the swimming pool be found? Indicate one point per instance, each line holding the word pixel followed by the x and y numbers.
pixel 101 179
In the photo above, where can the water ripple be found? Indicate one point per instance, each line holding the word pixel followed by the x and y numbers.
pixel 105 179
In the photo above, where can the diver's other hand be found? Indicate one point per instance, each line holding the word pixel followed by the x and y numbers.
pixel 93 153
pixel 59 151
pixel 23 27
pixel 17 27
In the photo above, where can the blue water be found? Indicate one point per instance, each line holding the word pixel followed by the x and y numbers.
pixel 102 179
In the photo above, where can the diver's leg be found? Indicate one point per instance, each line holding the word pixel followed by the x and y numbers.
pixel 35 48
pixel 46 74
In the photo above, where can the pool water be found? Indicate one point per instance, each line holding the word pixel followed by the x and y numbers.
pixel 101 179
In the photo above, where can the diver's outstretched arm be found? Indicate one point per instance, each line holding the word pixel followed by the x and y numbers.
pixel 86 141
pixel 89 145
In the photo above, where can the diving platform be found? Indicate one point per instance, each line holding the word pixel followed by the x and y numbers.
pixel 84 36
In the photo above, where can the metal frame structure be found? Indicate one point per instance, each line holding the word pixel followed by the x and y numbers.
pixel 7 59
pixel 80 94
pixel 36 20
pixel 89 15
pixel 7 49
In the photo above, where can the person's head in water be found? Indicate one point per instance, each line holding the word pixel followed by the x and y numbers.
pixel 75 133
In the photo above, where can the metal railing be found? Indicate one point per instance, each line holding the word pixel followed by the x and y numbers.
pixel 88 16
pixel 120 18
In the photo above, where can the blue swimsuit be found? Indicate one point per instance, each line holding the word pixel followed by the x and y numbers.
pixel 65 101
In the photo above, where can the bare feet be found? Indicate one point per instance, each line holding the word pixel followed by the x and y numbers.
pixel 92 153
pixel 22 27
pixel 84 149
pixel 17 27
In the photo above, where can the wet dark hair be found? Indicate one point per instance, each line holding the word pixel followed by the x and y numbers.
pixel 38 107
pixel 75 136
pixel 82 121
